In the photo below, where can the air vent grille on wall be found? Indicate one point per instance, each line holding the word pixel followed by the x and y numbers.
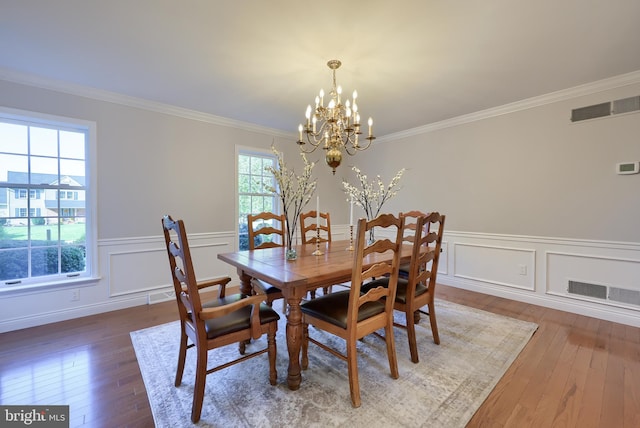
pixel 586 289
pixel 161 296
pixel 626 105
pixel 624 296
pixel 590 112
pixel 619 295
pixel 623 105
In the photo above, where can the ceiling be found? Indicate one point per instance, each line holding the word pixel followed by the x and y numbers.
pixel 413 62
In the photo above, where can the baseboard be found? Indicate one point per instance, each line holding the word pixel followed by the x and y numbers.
pixel 67 314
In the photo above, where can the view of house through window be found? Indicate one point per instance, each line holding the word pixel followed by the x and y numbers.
pixel 43 194
pixel 252 196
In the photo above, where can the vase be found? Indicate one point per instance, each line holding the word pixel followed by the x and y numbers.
pixel 291 253
pixel 372 237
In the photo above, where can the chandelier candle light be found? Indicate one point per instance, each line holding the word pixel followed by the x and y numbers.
pixel 335 127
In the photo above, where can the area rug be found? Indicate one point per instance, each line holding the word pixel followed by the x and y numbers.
pixel 443 390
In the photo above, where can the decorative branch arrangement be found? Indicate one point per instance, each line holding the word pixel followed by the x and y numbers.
pixel 371 196
pixel 295 191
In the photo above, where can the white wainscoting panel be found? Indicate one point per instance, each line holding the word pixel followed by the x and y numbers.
pixel 443 263
pixel 537 270
pixel 504 266
pixel 130 272
pixel 590 269
pixel 136 266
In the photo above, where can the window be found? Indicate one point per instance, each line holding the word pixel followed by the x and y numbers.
pixel 68 195
pixel 252 196
pixel 44 238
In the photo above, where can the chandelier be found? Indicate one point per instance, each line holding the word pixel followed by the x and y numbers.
pixel 336 127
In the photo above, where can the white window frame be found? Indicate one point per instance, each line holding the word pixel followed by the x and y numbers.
pixel 90 274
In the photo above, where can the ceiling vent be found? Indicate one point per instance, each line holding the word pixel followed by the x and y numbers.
pixel 623 105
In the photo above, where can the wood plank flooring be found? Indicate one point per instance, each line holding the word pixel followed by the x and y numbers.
pixel 575 372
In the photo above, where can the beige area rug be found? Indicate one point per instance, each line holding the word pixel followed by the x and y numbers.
pixel 443 390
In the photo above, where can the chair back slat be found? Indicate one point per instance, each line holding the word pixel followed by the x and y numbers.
pixel 268 227
pixel 426 248
pixel 308 230
pixel 183 274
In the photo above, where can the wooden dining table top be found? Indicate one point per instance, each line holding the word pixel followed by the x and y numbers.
pixel 308 270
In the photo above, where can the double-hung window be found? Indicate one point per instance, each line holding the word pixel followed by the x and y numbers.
pixel 252 196
pixel 44 238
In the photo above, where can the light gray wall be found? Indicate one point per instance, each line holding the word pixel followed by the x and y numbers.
pixel 151 163
pixel 531 172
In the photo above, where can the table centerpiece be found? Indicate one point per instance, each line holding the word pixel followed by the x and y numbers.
pixel 295 192
pixel 371 196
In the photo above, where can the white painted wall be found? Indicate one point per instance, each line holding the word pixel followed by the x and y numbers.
pixel 521 188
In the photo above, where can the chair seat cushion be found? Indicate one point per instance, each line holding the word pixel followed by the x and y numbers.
pixel 404 270
pixel 235 321
pixel 401 292
pixel 333 308
pixel 265 286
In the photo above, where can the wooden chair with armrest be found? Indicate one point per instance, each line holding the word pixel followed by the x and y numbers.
pixel 353 315
pixel 212 324
pixel 418 289
pixel 309 234
pixel 266 230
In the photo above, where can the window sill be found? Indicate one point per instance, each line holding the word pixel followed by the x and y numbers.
pixel 26 289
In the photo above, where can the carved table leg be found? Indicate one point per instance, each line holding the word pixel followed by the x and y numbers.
pixel 246 289
pixel 245 283
pixel 294 337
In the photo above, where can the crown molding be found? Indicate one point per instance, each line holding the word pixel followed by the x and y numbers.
pixel 562 95
pixel 129 101
pixel 101 95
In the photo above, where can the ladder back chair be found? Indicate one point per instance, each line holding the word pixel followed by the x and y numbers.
pixel 408 235
pixel 418 289
pixel 222 321
pixel 309 234
pixel 308 230
pixel 266 230
pixel 353 315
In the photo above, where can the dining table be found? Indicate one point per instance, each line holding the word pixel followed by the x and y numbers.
pixel 296 278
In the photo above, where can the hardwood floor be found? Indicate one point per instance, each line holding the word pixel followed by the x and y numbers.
pixel 575 372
